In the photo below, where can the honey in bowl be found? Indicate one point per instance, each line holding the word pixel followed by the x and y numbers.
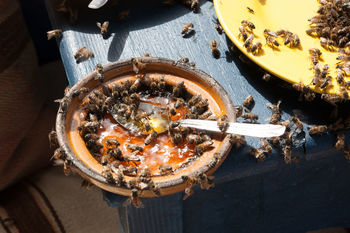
pixel 130 152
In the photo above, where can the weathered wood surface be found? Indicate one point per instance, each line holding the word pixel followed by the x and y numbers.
pixel 247 192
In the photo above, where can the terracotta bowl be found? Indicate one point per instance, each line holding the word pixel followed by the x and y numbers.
pixel 196 82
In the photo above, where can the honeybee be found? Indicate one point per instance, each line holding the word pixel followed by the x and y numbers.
pixel 266 77
pixel 212 163
pixel 250 10
pixel 318 129
pixel 237 140
pixel 271 41
pixel 258 154
pixel 135 147
pixel 137 65
pixel 103 28
pixel 205 115
pixel 99 73
pixel 59 153
pixel 340 144
pixel 326 82
pixel 223 122
pixel 219 29
pixel 315 55
pixel 135 199
pixel 53 139
pixel 129 171
pixel 297 122
pixel 187 28
pixel 165 169
pixel 248 24
pixel 287 153
pixel 107 173
pixel 314 31
pixel 188 192
pixel 344 92
pixel 248 41
pixel 66 167
pixel 327 44
pixel 179 89
pixel 238 111
pixel 193 138
pixel 214 49
pixel 201 148
pixel 256 47
pixel 115 153
pixel 83 54
pixel 275 141
pixel 325 71
pixel 206 182
pixel 111 142
pixel 123 15
pixel 332 99
pixel 250 116
pixel 265 146
pixel 268 32
pixel 195 5
pixel 243 32
pixel 248 103
pixel 57 33
pixel 151 138
pixel 276 113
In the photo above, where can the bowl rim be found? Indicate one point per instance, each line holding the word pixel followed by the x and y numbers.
pixel 61 118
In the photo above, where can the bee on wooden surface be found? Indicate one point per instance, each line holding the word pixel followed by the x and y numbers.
pixel 80 92
pixel 258 154
pixel 99 73
pixel 165 169
pixel 275 141
pixel 248 24
pixel 123 15
pixel 238 111
pixel 276 112
pixel 237 140
pixel 243 32
pixel 187 29
pixel 248 103
pixel 314 31
pixel 103 28
pixel 318 129
pixel 287 153
pixel 53 139
pixel 195 6
pixel 265 146
pixel 63 104
pixel 219 29
pixel 250 116
pixel 83 54
pixel 194 100
pixel 250 10
pixel 256 48
pixel 213 162
pixel 223 123
pixel 135 199
pixel 111 142
pixel 57 33
pixel 325 71
pixel 135 147
pixel 340 144
pixel 137 66
pixel 248 41
pixel 201 148
pixel 151 138
pixel 214 49
pixel 175 138
pixel 297 122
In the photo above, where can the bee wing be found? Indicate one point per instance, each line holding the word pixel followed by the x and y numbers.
pixel 98 24
pixel 95 4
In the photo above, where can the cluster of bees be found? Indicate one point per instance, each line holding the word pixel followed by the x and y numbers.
pixel 246 33
pixel 124 98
